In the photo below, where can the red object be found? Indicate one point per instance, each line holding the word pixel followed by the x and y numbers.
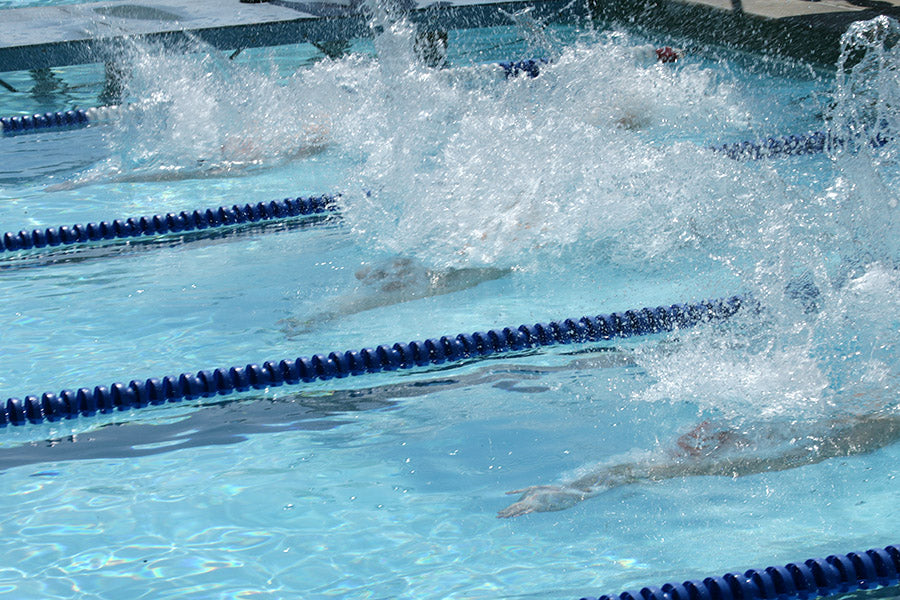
pixel 667 54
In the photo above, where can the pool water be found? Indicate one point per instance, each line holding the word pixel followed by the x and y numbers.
pixel 489 202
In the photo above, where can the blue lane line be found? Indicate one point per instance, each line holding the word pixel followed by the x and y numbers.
pixel 70 119
pixel 815 142
pixel 789 145
pixel 223 216
pixel 808 143
pixel 77 119
pixel 69 404
pixel 813 578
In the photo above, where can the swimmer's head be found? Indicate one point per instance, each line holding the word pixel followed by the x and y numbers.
pixel 667 54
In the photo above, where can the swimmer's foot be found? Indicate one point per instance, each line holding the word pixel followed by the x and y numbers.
pixel 542 498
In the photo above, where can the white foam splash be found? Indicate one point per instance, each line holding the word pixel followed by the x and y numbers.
pixel 601 158
pixel 493 174
pixel 824 265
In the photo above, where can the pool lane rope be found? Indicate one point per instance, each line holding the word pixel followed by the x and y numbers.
pixel 76 119
pixel 84 117
pixel 530 67
pixel 809 143
pixel 816 142
pixel 813 578
pixel 183 222
pixel 69 404
pixel 62 120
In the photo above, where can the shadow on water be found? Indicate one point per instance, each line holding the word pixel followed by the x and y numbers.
pixel 232 421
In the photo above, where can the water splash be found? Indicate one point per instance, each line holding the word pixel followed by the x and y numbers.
pixel 539 40
pixel 453 166
pixel 600 159
pixel 823 263
pixel 865 117
pixel 497 173
pixel 198 114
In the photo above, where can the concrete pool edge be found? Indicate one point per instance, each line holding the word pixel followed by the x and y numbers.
pixel 43 37
pixel 806 30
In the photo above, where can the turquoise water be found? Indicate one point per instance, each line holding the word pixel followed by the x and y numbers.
pixel 586 190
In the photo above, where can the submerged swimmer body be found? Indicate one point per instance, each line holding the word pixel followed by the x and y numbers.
pixel 729 452
pixel 397 280
pixel 405 277
pixel 235 156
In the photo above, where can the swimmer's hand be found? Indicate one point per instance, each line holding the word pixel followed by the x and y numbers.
pixel 543 498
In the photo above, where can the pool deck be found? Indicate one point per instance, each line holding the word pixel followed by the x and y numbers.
pixel 32 38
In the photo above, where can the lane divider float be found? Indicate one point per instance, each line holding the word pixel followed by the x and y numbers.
pixel 813 578
pixel 69 404
pixel 185 221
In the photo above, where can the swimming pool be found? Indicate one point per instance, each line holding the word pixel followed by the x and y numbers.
pixel 588 189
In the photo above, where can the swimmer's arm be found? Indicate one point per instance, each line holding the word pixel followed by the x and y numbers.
pixel 845 437
pixel 546 498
